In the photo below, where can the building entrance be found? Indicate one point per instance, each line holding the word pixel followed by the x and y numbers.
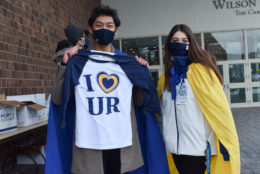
pixel 241 82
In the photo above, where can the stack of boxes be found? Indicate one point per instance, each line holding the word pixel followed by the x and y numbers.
pixel 23 110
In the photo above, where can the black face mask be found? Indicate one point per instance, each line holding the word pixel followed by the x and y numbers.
pixel 103 36
pixel 179 49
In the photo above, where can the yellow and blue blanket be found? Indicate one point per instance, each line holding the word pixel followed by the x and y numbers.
pixel 214 105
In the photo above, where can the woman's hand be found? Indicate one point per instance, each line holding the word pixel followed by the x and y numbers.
pixel 142 61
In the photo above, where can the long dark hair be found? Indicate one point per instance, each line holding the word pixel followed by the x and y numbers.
pixel 195 54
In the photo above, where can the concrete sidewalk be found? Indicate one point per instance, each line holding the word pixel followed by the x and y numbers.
pixel 248 127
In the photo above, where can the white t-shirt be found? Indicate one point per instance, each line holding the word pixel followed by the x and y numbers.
pixel 103 104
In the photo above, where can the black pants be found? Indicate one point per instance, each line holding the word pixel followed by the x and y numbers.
pixel 111 161
pixel 186 164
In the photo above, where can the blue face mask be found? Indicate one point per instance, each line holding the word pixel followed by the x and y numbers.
pixel 181 62
pixel 103 36
pixel 179 49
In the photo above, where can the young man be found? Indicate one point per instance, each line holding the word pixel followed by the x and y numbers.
pixel 106 138
pixel 75 33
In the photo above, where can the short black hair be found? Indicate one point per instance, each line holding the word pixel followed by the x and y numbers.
pixel 103 10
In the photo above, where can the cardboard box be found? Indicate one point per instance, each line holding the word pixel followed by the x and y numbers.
pixel 2 96
pixel 36 98
pixel 8 119
pixel 29 113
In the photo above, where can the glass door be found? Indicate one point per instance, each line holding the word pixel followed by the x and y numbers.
pixel 254 84
pixel 222 66
pixel 235 82
pixel 228 47
pixel 241 82
pixel 253 64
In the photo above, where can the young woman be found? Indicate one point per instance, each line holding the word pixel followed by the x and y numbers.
pixel 198 125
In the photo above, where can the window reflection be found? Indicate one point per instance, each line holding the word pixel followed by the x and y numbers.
pixel 146 48
pixel 238 95
pixel 253 40
pixel 163 41
pixel 236 73
pixel 256 94
pixel 225 45
pixel 255 72
pixel 220 68
pixel 115 43
pixel 198 37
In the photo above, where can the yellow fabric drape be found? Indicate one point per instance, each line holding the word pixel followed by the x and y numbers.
pixel 214 105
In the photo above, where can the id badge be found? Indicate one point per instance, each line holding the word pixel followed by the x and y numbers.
pixel 181 98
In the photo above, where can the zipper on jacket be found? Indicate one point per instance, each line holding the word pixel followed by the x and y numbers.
pixel 176 126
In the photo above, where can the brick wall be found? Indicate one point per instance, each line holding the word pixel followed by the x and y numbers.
pixel 29 32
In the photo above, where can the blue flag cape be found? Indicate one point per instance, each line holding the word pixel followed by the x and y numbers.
pixel 59 143
pixel 60 139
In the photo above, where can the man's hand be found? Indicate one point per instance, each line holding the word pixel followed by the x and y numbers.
pixel 142 61
pixel 69 53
